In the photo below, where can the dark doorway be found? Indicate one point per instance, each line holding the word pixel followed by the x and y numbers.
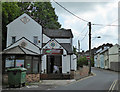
pixel 54 60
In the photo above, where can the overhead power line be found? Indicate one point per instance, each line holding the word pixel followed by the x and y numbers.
pixel 81 33
pixel 81 18
pixel 70 12
pixel 85 35
pixel 105 25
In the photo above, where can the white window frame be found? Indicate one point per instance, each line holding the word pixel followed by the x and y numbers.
pixel 35 42
pixel 14 39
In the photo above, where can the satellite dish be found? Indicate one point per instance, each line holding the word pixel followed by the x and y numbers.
pixel 23 44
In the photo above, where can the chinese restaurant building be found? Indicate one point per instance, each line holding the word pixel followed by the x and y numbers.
pixel 39 50
pixel 57 51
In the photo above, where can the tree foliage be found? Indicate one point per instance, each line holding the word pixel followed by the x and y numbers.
pixel 42 12
pixel 9 12
pixel 84 61
pixel 74 50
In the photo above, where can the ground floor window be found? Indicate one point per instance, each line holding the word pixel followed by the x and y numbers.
pixel 9 63
pixel 19 63
pixel 31 63
pixel 14 61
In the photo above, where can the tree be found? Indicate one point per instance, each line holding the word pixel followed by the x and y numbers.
pixel 82 61
pixel 74 50
pixel 9 12
pixel 42 12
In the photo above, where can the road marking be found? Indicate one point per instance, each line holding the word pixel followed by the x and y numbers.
pixel 112 86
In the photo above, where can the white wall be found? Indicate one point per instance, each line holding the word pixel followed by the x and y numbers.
pixel 95 61
pixel 45 38
pixel 47 46
pixel 60 40
pixel 113 54
pixel 44 64
pixel 19 29
pixel 106 59
pixel 73 62
pixel 98 60
pixel 29 45
pixel 63 40
pixel 66 64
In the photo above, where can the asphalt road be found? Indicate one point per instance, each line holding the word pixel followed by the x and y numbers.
pixel 102 80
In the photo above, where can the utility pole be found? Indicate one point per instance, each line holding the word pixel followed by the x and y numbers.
pixel 89 24
pixel 78 46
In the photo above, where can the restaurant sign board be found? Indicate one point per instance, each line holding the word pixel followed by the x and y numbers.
pixel 53 51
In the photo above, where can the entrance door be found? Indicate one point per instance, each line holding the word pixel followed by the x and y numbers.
pixel 54 60
pixel 50 64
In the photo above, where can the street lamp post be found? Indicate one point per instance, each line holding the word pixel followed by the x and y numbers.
pixel 89 24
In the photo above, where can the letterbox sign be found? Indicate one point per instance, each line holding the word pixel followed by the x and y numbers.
pixel 53 51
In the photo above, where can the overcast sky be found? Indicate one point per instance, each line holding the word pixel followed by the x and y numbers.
pixel 95 12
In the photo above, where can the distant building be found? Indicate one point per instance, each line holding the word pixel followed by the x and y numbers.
pixel 114 58
pixel 100 56
pixel 104 59
pixel 108 58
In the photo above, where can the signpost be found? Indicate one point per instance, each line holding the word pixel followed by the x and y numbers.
pixel 88 57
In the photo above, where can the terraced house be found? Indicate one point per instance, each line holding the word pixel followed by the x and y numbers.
pixel 108 58
pixel 39 50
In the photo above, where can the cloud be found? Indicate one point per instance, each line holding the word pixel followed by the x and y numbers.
pixel 77 7
pixel 100 13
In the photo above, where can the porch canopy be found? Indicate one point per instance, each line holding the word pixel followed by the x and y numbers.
pixel 17 56
pixel 19 50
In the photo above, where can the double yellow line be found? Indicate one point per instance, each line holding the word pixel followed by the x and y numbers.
pixel 112 86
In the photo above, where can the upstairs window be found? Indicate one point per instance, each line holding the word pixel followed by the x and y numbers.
pixel 35 40
pixel 13 39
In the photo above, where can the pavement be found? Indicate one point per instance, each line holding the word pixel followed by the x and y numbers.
pixel 101 80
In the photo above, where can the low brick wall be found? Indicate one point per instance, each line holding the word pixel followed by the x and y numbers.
pixel 72 74
pixel 81 72
pixel 29 78
pixel 55 76
pixel 32 77
pixel 84 70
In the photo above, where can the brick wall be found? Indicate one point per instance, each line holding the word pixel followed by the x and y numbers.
pixel 81 72
pixel 115 66
pixel 32 77
pixel 29 78
pixel 55 76
pixel 84 70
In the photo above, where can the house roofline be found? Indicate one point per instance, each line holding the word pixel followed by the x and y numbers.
pixel 20 16
pixel 25 39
